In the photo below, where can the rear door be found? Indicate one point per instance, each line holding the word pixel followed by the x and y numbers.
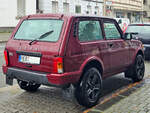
pixel 73 51
pixel 91 39
pixel 40 54
pixel 118 48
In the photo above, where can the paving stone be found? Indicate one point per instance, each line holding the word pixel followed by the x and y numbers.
pixel 50 100
pixel 137 101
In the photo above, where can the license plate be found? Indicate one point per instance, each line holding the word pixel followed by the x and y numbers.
pixel 29 59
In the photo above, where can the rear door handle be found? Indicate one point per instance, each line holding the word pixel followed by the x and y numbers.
pixel 110 44
pixel 28 66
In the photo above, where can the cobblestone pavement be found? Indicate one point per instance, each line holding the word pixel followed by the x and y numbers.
pixel 4 37
pixel 132 99
pixel 138 102
pixel 120 95
pixel 46 100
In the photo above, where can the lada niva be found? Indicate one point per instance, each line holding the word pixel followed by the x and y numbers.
pixel 59 50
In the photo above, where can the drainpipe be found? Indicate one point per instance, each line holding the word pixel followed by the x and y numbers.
pixel 142 10
pixel 104 7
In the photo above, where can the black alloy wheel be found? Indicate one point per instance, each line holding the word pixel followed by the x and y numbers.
pixel 89 90
pixel 139 69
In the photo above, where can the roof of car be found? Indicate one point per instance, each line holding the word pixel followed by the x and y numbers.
pixel 64 15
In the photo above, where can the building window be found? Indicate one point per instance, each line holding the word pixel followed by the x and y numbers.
pixel 89 9
pixel 129 16
pixel 144 2
pixel 38 7
pixel 54 7
pixel 78 9
pixel 97 11
pixel 137 17
pixel 119 15
pixel 66 7
pixel 20 8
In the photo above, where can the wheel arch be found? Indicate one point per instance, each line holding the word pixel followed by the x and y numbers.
pixel 140 52
pixel 92 62
pixel 80 92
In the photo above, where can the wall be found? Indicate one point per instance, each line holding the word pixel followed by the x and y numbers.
pixel 30 7
pixel 8 12
pixel 46 6
pixel 146 9
pixel 126 7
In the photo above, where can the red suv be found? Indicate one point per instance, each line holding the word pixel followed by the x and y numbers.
pixel 59 50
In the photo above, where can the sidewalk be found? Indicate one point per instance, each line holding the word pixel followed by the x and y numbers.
pixel 45 100
pixel 4 37
pixel 133 99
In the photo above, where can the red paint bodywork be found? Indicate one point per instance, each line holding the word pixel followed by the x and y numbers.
pixel 76 55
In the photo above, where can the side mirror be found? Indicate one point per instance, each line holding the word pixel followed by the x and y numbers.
pixel 120 21
pixel 129 36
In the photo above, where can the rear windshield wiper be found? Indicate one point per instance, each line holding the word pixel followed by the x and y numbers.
pixel 41 37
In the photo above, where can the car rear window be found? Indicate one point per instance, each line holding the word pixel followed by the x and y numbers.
pixel 32 29
pixel 144 29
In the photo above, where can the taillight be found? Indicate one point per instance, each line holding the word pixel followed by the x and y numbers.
pixel 58 65
pixel 6 57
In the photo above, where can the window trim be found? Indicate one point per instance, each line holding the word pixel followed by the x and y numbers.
pixel 117 26
pixel 90 19
pixel 61 31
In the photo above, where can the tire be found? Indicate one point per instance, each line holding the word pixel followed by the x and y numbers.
pixel 136 72
pixel 89 89
pixel 30 87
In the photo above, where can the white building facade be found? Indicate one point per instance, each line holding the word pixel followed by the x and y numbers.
pixel 131 9
pixel 94 7
pixel 12 10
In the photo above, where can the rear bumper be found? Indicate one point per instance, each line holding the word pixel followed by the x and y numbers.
pixel 39 77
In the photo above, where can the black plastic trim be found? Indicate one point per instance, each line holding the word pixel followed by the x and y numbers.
pixel 29 53
pixel 29 76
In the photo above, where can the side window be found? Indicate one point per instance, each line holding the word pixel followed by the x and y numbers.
pixel 111 31
pixel 89 31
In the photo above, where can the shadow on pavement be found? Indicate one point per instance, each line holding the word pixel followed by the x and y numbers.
pixel 114 83
pixel 49 99
pixel 114 95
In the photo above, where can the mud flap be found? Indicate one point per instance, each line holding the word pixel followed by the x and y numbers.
pixel 68 93
pixel 9 80
pixel 129 72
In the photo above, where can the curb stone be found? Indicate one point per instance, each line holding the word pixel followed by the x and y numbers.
pixel 3 41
